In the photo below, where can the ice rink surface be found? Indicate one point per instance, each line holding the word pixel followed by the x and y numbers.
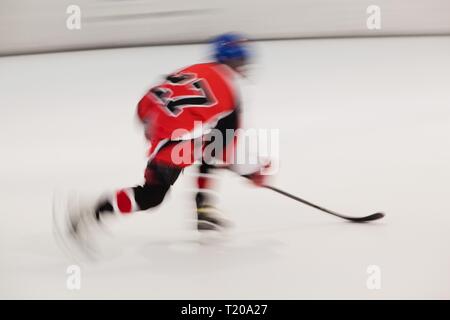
pixel 364 126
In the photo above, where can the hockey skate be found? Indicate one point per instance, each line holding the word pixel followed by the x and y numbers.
pixel 209 219
pixel 75 224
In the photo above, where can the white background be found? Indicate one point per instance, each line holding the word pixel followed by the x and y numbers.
pixel 364 126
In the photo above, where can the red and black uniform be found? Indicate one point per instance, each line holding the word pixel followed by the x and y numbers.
pixel 184 107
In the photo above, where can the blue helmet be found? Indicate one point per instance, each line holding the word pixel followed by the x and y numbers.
pixel 230 46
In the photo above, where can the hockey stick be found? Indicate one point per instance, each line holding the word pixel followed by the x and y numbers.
pixel 371 217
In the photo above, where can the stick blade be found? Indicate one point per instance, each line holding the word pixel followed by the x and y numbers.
pixel 372 217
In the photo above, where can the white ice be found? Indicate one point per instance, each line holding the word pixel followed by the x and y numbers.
pixel 364 126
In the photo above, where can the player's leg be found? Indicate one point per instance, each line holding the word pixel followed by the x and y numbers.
pixel 205 181
pixel 84 217
pixel 160 175
pixel 158 180
pixel 208 216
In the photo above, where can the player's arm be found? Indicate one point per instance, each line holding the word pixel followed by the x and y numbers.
pixel 254 172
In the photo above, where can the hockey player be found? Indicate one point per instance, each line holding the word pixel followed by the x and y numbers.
pixel 199 96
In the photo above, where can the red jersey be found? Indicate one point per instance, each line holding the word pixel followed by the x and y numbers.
pixel 199 94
